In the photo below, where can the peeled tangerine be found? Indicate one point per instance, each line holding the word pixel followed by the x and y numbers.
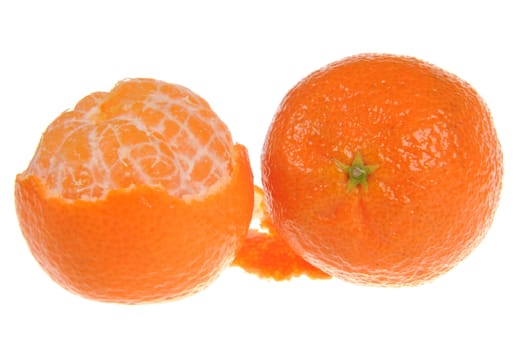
pixel 136 195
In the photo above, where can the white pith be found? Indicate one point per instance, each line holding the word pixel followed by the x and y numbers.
pixel 161 162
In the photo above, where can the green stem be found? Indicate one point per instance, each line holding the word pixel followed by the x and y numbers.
pixel 357 172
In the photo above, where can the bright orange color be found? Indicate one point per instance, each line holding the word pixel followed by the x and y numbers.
pixel 425 146
pixel 267 255
pixel 137 195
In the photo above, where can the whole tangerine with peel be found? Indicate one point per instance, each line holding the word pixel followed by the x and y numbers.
pixel 382 170
pixel 136 195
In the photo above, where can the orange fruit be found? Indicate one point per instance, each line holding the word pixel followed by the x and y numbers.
pixel 136 195
pixel 381 169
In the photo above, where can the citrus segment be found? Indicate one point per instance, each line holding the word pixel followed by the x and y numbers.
pixel 143 132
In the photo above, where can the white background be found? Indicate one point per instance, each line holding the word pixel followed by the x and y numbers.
pixel 243 58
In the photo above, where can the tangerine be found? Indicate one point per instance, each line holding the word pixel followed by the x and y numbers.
pixel 382 169
pixel 136 195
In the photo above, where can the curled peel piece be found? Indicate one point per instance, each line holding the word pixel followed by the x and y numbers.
pixel 265 254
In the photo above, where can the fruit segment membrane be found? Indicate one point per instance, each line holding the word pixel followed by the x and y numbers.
pixel 143 132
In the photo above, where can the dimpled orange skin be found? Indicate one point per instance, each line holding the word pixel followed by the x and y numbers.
pixel 138 243
pixel 430 201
